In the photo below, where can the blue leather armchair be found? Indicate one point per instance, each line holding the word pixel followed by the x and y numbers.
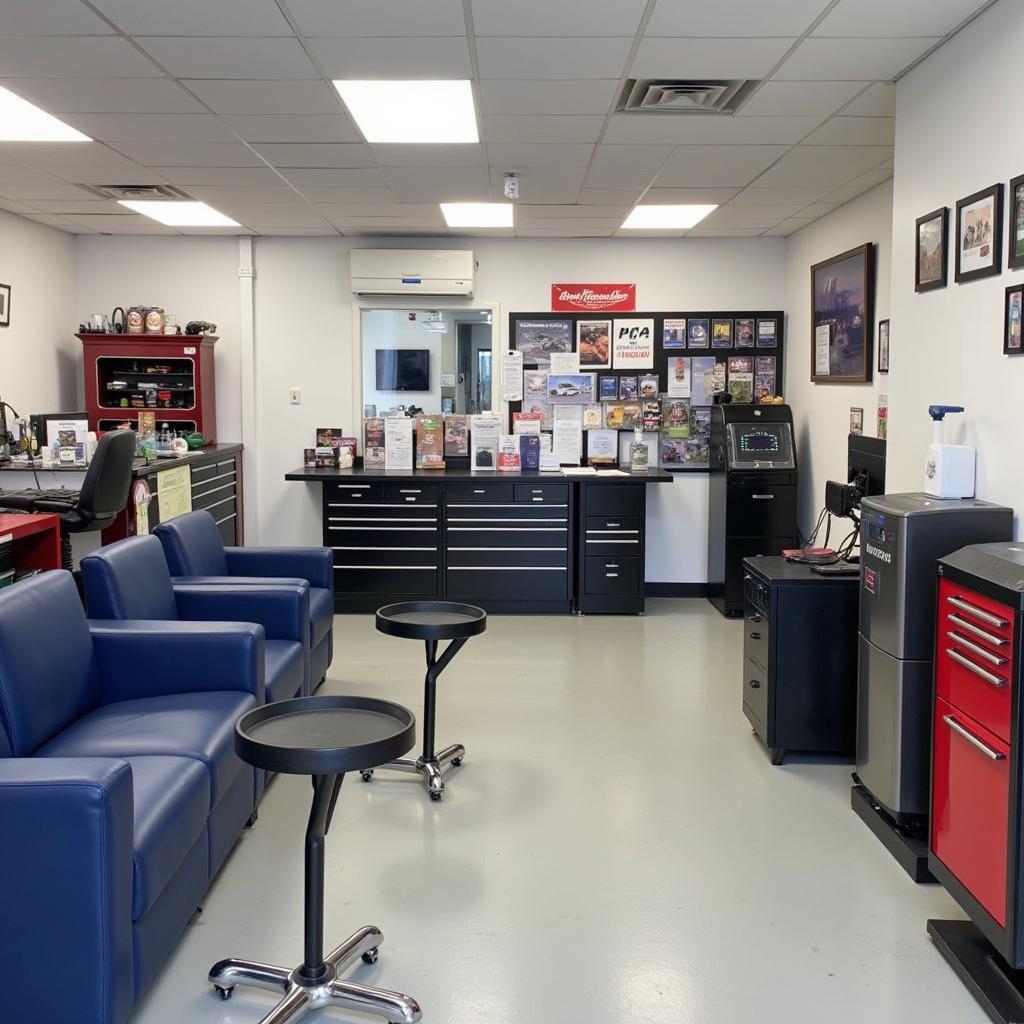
pixel 120 793
pixel 196 554
pixel 130 580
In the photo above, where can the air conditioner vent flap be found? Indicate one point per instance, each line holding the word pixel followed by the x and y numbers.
pixel 684 95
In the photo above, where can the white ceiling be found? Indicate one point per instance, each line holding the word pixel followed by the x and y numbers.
pixel 231 101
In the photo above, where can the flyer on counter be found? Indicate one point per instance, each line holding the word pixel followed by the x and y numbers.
pixel 398 442
pixel 512 376
pixel 526 422
pixel 603 448
pixel 509 459
pixel 567 441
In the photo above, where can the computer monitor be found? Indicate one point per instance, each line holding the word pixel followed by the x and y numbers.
pixel 865 464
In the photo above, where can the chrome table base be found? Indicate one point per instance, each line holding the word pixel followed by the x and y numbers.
pixel 431 769
pixel 300 995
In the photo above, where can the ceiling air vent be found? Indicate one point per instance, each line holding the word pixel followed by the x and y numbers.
pixel 684 95
pixel 137 192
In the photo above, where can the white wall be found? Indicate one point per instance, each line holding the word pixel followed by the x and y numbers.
pixel 821 412
pixel 194 278
pixel 955 135
pixel 40 357
pixel 517 273
pixel 386 329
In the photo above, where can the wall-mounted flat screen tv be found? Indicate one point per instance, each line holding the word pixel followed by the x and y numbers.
pixel 403 369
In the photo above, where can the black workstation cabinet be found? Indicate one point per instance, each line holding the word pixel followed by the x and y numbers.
pixel 508 542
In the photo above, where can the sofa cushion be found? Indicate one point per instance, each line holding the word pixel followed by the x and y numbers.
pixel 285 670
pixel 193 545
pixel 129 580
pixel 321 613
pixel 172 804
pixel 197 725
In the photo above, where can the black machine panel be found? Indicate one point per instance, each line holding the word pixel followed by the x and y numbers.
pixel 756 445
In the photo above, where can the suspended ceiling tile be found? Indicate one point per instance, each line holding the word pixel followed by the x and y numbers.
pixel 37 191
pixel 189 154
pixel 248 195
pixel 878 100
pixel 386 211
pixel 299 97
pixel 572 18
pixel 734 17
pixel 787 227
pixel 722 166
pixel 529 213
pixel 536 185
pixel 274 216
pixel 439 184
pixel 304 178
pixel 861 184
pixel 347 196
pixel 701 196
pixel 104 95
pixel 708 58
pixel 708 128
pixel 771 196
pixel 190 128
pixel 236 57
pixel 549 96
pixel 305 231
pixel 508 57
pixel 84 206
pixel 89 162
pixel 123 224
pixel 540 128
pixel 224 176
pixel 863 60
pixel 13 206
pixel 293 128
pixel 814 166
pixel 395 57
pixel 799 98
pixel 709 232
pixel 854 131
pixel 373 18
pixel 574 232
pixel 541 155
pixel 72 57
pixel 610 195
pixel 46 17
pixel 759 217
pixel 196 17
pixel 906 18
pixel 315 154
pixel 398 155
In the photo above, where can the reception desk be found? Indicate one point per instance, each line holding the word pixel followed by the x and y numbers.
pixel 508 542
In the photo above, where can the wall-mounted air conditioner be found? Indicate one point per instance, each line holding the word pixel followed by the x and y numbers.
pixel 413 272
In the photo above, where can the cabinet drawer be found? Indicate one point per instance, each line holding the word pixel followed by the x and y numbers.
pixel 359 557
pixel 614 499
pixel 506 511
pixel 994 620
pixel 970 805
pixel 507 557
pixel 515 535
pixel 755 696
pixel 356 490
pixel 602 524
pixel 414 582
pixel 612 576
pixel 973 679
pixel 526 583
pixel 755 637
pixel 384 512
pixel 485 490
pixel 606 545
pixel 411 493
pixel 761 510
pixel 537 493
pixel 389 535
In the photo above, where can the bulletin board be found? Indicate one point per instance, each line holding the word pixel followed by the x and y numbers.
pixel 703 337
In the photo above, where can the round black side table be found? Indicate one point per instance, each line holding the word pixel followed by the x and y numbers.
pixel 431 621
pixel 323 737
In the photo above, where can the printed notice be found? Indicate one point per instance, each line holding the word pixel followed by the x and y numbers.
pixel 822 343
pixel 565 362
pixel 633 344
pixel 512 376
pixel 398 442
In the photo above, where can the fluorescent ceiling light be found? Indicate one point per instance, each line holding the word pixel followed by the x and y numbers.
pixel 666 218
pixel 478 215
pixel 180 214
pixel 425 111
pixel 20 121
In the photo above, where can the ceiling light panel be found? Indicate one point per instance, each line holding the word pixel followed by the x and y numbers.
pixel 181 215
pixel 21 121
pixel 667 218
pixel 412 112
pixel 478 215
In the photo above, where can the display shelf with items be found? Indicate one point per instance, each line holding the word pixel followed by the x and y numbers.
pixel 170 375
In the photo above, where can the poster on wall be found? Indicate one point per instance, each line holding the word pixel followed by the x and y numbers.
pixel 634 343
pixel 673 334
pixel 570 389
pixel 594 344
pixel 537 339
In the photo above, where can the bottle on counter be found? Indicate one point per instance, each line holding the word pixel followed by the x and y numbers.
pixel 638 457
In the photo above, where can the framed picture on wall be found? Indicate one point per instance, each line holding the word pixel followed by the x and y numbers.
pixel 842 317
pixel 5 305
pixel 1012 311
pixel 979 235
pixel 932 251
pixel 883 346
pixel 1015 244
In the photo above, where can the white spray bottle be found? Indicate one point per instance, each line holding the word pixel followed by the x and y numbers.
pixel 949 469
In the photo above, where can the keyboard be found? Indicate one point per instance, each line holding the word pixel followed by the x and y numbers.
pixel 51 493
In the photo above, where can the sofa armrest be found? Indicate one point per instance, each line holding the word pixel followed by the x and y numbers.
pixel 282 609
pixel 313 564
pixel 66 861
pixel 141 658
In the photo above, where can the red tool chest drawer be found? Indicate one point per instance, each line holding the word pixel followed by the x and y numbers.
pixel 974 656
pixel 970 805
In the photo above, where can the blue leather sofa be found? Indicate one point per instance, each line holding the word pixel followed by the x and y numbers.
pixel 120 794
pixel 196 554
pixel 130 580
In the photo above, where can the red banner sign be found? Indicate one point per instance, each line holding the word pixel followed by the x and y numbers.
pixel 593 298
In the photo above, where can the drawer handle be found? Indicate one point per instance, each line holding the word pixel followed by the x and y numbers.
pixel 994 755
pixel 536 499
pixel 410 499
pixel 978 613
pixel 763 497
pixel 536 490
pixel 612 524
pixel 991 638
pixel 479 490
pixel 611 575
pixel 975 648
pixel 409 490
pixel 755 618
pixel 611 565
pixel 755 684
pixel 755 636
pixel 989 677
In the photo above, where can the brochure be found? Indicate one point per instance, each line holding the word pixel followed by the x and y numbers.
pixel 673 334
pixel 398 442
pixel 649 385
pixel 744 333
pixel 529 451
pixel 608 388
pixel 741 378
pixel 509 458
pixel 456 435
pixel 675 417
pixel 485 430
pixel 593 416
pixel 373 442
pixel 702 372
pixel 628 388
pixel 764 377
pixel 603 448
pixel 526 422
pixel 678 377
pixel 651 413
pixel 429 442
pixel 766 334
pixel 698 333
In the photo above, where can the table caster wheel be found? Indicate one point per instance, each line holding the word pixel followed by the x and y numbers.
pixel 224 993
pixel 434 795
pixel 456 761
pixel 370 956
pixel 367 776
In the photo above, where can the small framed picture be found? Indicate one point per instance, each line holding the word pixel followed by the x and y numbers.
pixel 5 305
pixel 932 251
pixel 1015 246
pixel 744 333
pixel 767 334
pixel 856 420
pixel 1012 320
pixel 883 346
pixel 721 333
pixel 979 235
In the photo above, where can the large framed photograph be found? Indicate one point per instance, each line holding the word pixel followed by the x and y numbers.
pixel 932 257
pixel 883 346
pixel 842 316
pixel 1015 244
pixel 979 235
pixel 593 342
pixel 5 305
pixel 1012 320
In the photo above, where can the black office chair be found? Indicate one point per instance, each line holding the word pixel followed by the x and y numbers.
pixel 103 495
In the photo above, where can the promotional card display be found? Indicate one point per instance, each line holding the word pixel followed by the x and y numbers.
pixel 529 451
pixel 702 375
pixel 429 442
pixel 593 416
pixel 649 385
pixel 698 334
pixel 652 415
pixel 882 424
pixel 603 448
pixel 456 436
pixel 766 334
pixel 671 451
pixel 741 378
pixel 675 417
pixel 594 344
pixel 678 383
pixel 509 457
pixel 535 395
pixel 721 333
pixel 744 333
pixel 328 445
pixel 623 415
pixel 526 422
pixel 673 334
pixel 485 432
pixel 629 388
pixel 764 377
pixel 398 452
pixel 856 420
pixel 373 442
pixel 697 451
pixel 608 388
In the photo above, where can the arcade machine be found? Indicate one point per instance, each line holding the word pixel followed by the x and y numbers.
pixel 752 494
